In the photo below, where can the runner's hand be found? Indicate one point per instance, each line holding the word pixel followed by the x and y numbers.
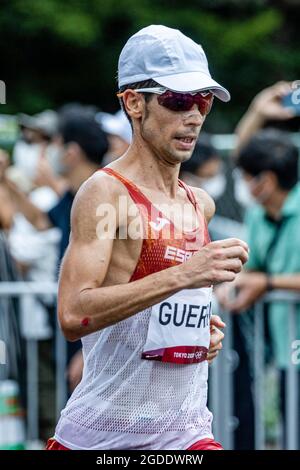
pixel 217 262
pixel 216 337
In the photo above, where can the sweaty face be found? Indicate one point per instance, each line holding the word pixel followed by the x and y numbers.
pixel 171 135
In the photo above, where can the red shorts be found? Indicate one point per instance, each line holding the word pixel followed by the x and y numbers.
pixel 206 444
pixel 203 444
pixel 52 444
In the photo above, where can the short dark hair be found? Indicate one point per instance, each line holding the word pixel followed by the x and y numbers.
pixel 271 150
pixel 87 133
pixel 136 86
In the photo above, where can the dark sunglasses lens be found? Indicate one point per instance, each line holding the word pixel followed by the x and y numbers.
pixel 176 101
pixel 204 103
pixel 184 101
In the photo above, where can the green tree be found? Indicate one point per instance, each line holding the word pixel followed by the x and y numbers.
pixel 53 52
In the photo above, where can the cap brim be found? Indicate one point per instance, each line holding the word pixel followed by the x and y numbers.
pixel 191 82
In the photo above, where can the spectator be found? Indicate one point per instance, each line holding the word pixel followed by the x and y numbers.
pixel 36 254
pixel 6 207
pixel 84 145
pixel 119 134
pixel 269 162
pixel 266 109
pixel 37 144
pixel 9 307
pixel 207 170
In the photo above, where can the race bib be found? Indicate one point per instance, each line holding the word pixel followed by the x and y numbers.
pixel 179 328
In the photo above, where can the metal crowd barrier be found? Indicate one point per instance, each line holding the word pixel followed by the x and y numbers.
pixel 221 374
pixel 227 142
pixel 27 289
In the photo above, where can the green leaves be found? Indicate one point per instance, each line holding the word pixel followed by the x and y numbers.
pixel 54 51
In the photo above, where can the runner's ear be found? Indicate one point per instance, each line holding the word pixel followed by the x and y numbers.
pixel 134 103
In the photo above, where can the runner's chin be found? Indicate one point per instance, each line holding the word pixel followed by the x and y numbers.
pixel 183 151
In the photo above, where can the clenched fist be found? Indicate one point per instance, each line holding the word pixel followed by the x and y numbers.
pixel 217 262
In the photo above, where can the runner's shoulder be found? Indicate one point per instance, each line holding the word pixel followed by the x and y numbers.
pixel 99 189
pixel 205 202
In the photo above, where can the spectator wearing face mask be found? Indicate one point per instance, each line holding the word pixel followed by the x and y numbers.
pixel 269 164
pixel 267 110
pixel 208 170
pixel 205 168
pixel 37 152
pixel 84 144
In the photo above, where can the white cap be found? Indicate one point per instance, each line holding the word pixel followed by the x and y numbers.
pixel 46 122
pixel 170 58
pixel 115 124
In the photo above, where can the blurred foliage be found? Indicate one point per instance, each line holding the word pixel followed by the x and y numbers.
pixel 53 52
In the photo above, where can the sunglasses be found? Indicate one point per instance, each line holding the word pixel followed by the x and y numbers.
pixel 180 101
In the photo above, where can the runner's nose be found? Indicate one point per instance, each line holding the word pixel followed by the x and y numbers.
pixel 193 117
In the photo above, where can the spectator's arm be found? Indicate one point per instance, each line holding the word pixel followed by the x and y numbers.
pixel 266 106
pixel 32 213
pixel 75 369
pixel 46 177
pixel 249 287
pixel 285 281
pixel 251 122
pixel 6 209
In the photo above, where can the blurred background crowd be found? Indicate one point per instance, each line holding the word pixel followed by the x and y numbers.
pixel 62 122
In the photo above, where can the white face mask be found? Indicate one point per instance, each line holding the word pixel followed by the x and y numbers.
pixel 214 186
pixel 242 192
pixel 25 157
pixel 54 155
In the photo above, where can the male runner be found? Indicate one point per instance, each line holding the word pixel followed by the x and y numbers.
pixel 142 304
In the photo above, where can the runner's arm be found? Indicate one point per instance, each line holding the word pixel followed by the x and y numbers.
pixel 86 306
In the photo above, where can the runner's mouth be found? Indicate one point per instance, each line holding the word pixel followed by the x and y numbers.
pixel 186 141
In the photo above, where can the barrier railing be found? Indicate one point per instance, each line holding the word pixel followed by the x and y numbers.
pixel 27 289
pixel 221 385
pixel 221 372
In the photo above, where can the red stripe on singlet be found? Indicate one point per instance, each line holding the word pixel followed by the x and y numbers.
pixel 152 258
